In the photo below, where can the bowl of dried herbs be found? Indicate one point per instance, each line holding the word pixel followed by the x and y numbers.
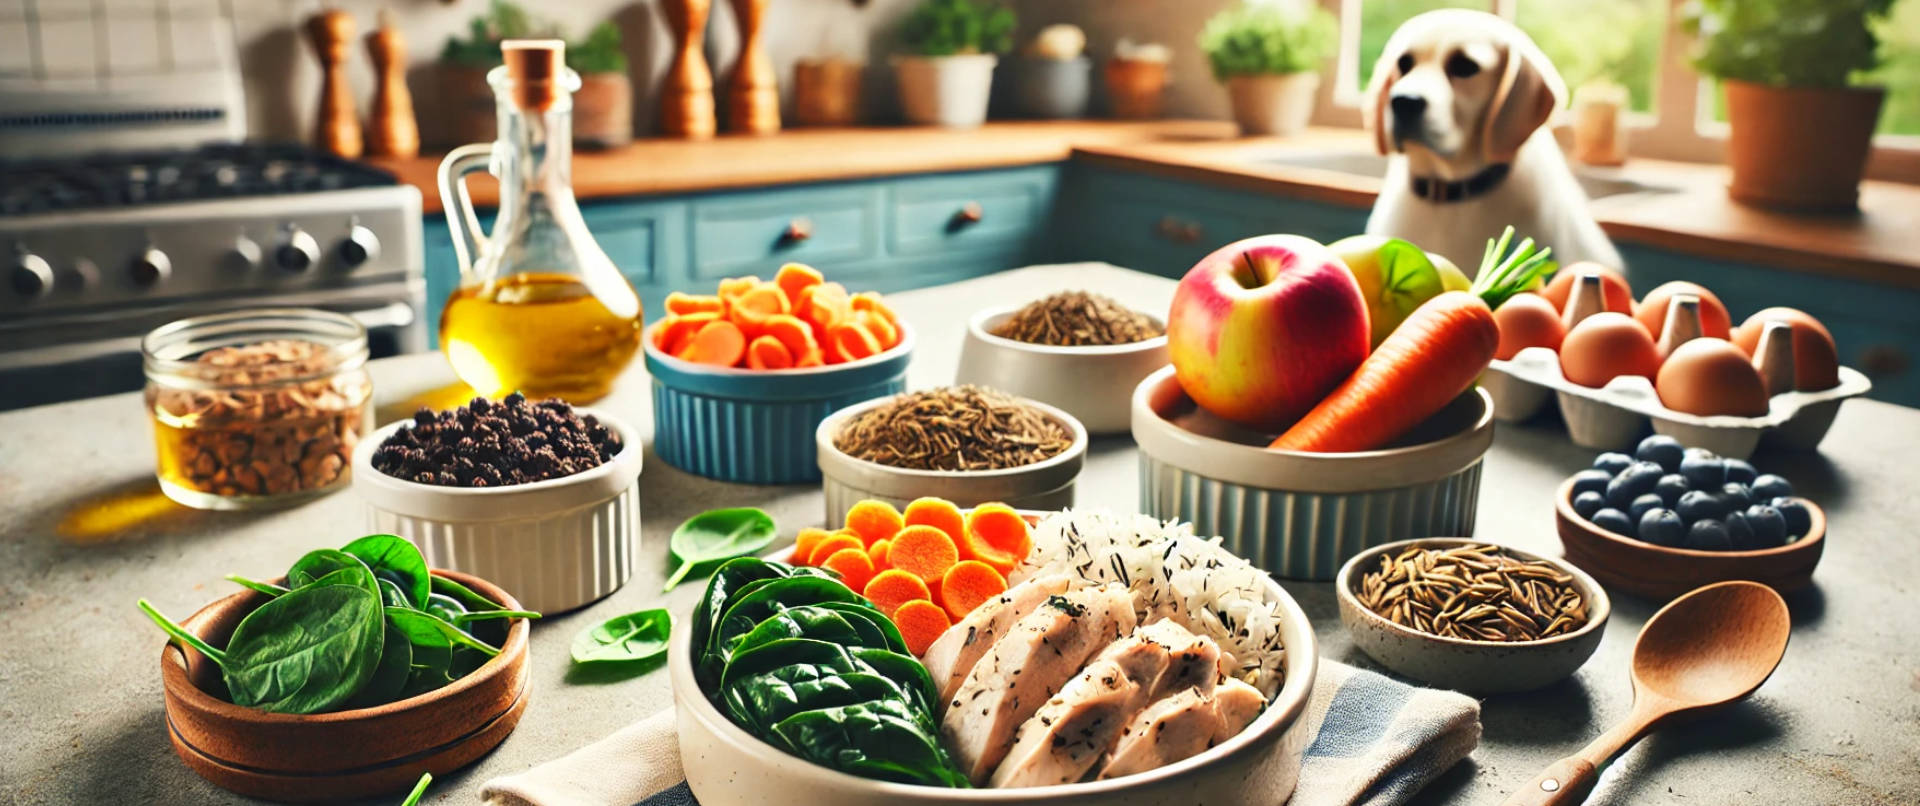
pixel 1079 351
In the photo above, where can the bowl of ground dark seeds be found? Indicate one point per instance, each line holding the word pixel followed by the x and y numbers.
pixel 968 444
pixel 1080 351
pixel 539 497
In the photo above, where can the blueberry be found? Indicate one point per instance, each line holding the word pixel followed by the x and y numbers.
pixel 1671 487
pixel 1740 471
pixel 1699 453
pixel 1612 461
pixel 1700 505
pixel 1591 481
pixel 1662 450
pixel 1704 472
pixel 1799 519
pixel 1640 506
pixel 1637 480
pixel 1614 521
pixel 1770 486
pixel 1769 526
pixel 1739 531
pixel 1587 503
pixel 1738 496
pixel 1707 535
pixel 1662 527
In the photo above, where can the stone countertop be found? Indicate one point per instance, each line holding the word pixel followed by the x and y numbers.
pixel 84 531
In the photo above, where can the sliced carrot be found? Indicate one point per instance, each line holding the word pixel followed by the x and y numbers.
pixel 803 543
pixel 885 333
pixel 796 277
pixel 766 352
pixel 751 308
pixel 832 354
pixel 890 589
pixel 834 542
pixel 874 520
pixel 719 343
pixel 924 551
pixel 735 286
pixel 660 330
pixel 938 513
pixel 998 536
pixel 853 565
pixel 967 585
pixel 854 340
pixel 920 623
pixel 824 305
pixel 678 303
pixel 811 358
pixel 878 551
pixel 869 302
pixel 793 332
pixel 674 332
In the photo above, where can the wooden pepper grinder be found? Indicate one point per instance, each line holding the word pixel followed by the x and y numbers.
pixel 753 95
pixel 391 128
pixel 337 129
pixel 686 99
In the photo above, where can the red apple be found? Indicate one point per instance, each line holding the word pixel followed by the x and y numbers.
pixel 1262 329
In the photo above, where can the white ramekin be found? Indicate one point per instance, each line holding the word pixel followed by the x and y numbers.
pixel 555 544
pixel 1093 383
pixel 1043 485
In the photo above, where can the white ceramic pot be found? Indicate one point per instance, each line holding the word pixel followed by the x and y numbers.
pixel 1273 104
pixel 1094 384
pixel 555 545
pixel 945 90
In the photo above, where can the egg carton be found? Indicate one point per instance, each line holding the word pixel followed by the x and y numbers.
pixel 1614 417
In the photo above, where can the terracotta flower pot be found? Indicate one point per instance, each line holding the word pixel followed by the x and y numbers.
pixel 603 111
pixel 827 92
pixel 1136 88
pixel 1797 148
pixel 1273 104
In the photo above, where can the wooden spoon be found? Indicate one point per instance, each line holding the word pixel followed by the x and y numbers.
pixel 1703 650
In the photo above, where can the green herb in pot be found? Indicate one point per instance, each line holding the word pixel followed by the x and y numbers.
pixel 716 536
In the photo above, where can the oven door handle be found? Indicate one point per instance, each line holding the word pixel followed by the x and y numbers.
pixel 385 316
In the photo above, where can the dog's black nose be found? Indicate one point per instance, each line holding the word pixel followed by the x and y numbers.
pixel 1407 110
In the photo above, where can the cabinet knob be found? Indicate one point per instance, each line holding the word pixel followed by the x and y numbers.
pixel 797 230
pixel 970 213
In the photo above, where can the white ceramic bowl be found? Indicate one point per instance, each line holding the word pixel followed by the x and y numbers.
pixel 1299 514
pixel 555 545
pixel 1093 383
pixel 1475 667
pixel 726 766
pixel 1043 485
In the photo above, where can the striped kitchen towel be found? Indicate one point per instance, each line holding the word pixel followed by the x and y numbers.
pixel 1376 742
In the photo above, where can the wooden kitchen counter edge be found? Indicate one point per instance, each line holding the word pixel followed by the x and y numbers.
pixel 1882 245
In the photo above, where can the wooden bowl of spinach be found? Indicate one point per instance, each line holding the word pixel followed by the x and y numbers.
pixel 282 691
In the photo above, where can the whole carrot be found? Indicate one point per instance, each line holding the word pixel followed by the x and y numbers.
pixel 1431 358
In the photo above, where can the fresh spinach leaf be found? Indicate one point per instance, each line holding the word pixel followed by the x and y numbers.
pixel 444 606
pixel 390 593
pixel 879 739
pixel 182 635
pixel 623 639
pixel 785 652
pixel 390 677
pixel 267 588
pixel 431 667
pixel 418 625
pixel 906 670
pixel 766 698
pixel 716 536
pixel 467 597
pixel 876 630
pixel 307 651
pixel 728 580
pixel 746 611
pixel 419 790
pixel 397 559
pixel 321 563
pixel 463 619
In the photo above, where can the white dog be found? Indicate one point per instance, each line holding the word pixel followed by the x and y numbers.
pixel 1459 101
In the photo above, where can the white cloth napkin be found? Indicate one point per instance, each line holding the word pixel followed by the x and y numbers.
pixel 1376 742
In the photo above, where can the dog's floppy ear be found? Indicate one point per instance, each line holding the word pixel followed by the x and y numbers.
pixel 1530 89
pixel 1373 109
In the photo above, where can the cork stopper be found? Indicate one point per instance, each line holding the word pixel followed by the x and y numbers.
pixel 535 66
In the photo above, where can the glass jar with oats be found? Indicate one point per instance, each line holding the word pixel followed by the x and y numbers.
pixel 256 408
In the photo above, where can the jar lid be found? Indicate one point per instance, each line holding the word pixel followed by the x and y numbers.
pixel 534 65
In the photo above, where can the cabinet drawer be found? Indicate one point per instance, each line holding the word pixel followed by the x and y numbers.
pixel 754 233
pixel 967 211
pixel 646 240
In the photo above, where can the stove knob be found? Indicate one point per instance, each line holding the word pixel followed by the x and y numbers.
pixel 298 252
pixel 150 267
pixel 360 246
pixel 31 276
pixel 243 255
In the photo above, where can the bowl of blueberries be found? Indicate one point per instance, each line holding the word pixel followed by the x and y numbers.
pixel 1667 519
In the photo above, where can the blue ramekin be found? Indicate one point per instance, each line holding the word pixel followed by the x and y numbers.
pixel 753 426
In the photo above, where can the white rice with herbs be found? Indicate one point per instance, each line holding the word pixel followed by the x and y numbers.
pixel 1190 579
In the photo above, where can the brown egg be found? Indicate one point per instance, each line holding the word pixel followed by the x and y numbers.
pixel 1618 295
pixel 1711 377
pixel 1652 311
pixel 1816 362
pixel 1527 320
pixel 1605 346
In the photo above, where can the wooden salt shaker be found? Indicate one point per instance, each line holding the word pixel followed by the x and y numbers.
pixel 753 95
pixel 686 98
pixel 391 128
pixel 337 128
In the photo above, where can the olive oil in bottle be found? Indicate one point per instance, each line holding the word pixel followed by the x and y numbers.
pixel 544 335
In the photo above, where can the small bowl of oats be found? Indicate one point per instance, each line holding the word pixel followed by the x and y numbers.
pixel 1079 351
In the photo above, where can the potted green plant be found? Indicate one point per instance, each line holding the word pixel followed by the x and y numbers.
pixel 602 107
pixel 952 46
pixel 1269 57
pixel 1801 129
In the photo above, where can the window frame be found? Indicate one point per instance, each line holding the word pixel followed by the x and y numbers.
pixel 1679 129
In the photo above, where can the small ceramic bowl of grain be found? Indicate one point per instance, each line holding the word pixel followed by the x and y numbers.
pixel 1043 485
pixel 1092 382
pixel 1476 665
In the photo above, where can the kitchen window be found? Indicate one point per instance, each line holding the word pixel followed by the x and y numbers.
pixel 1675 113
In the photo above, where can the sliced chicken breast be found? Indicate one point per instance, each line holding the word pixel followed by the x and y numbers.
pixel 1069 734
pixel 1194 661
pixel 1171 729
pixel 1025 668
pixel 954 653
pixel 1238 705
